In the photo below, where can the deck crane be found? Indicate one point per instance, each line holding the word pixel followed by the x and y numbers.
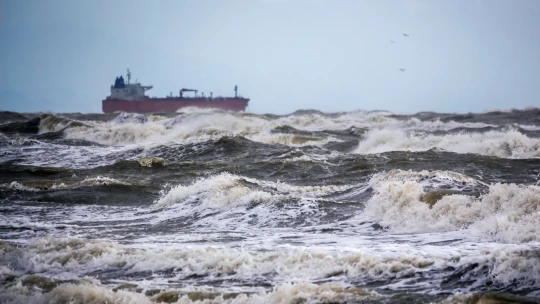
pixel 187 90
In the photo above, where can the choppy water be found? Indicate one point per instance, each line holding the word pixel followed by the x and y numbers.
pixel 217 207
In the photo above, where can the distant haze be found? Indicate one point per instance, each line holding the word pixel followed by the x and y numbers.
pixel 460 56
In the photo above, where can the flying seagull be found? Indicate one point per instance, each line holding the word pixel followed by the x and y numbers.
pixel 392 41
pixel 406 35
pixel 403 70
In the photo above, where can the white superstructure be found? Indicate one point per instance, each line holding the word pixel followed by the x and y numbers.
pixel 128 91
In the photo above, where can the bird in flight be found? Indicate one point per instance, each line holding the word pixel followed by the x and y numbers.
pixel 403 70
pixel 392 41
pixel 406 35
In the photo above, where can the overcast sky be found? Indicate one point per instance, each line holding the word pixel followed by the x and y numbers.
pixel 330 55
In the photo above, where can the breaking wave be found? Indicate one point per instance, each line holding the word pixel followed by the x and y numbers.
pixel 187 129
pixel 91 291
pixel 54 257
pixel 209 206
pixel 53 185
pixel 506 212
pixel 239 203
pixel 510 144
pixel 224 190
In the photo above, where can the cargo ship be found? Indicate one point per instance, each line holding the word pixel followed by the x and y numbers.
pixel 130 97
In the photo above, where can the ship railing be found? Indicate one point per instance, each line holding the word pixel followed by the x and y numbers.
pixel 218 98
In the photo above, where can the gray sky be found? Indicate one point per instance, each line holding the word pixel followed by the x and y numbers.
pixel 330 55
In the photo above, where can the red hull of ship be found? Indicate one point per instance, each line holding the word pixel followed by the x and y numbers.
pixel 151 105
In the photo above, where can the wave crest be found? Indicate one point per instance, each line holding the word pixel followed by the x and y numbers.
pixel 507 212
pixel 223 190
pixel 510 144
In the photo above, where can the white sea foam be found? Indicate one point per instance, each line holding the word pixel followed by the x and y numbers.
pixel 59 255
pixel 425 177
pixel 310 157
pixel 239 229
pixel 303 191
pixel 191 128
pixel 18 186
pixel 530 127
pixel 507 213
pixel 130 118
pixel 56 256
pixel 86 291
pixel 123 133
pixel 23 141
pixel 230 202
pixel 510 144
pixel 92 291
pixel 223 190
pixel 503 264
pixel 198 126
pixel 228 190
pixel 92 181
pixel 438 125
pixel 100 180
pixel 28 223
pixel 44 154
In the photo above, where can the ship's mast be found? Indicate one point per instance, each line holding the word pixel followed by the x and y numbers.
pixel 128 75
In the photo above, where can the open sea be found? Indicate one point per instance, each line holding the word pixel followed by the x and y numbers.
pixel 219 207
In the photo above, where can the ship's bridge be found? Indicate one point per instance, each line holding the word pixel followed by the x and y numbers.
pixel 128 91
